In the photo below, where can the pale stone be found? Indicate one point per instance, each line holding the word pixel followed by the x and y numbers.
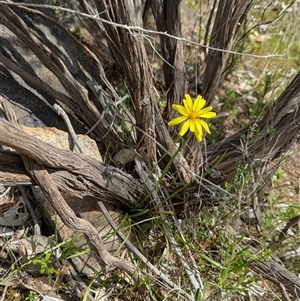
pixel 64 140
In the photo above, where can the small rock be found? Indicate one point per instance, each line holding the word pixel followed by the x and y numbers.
pixel 64 140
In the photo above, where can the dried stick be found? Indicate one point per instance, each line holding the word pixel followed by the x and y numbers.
pixel 69 218
pixel 67 121
pixel 228 20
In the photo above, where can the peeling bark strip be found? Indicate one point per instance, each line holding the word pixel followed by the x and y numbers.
pixel 128 50
pixel 167 18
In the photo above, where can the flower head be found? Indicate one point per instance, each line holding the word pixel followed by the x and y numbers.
pixel 192 116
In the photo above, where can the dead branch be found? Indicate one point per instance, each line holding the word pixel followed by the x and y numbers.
pixel 53 195
pixel 167 17
pixel 78 172
pixel 273 271
pixel 228 20
pixel 128 50
pixel 277 274
pixel 78 102
pixel 69 218
pixel 277 130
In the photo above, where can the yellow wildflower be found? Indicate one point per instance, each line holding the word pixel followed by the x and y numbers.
pixel 193 114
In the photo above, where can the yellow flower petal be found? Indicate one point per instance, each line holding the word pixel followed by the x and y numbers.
pixel 177 120
pixel 207 109
pixel 192 114
pixel 192 126
pixel 199 130
pixel 188 102
pixel 208 115
pixel 199 103
pixel 181 109
pixel 198 135
pixel 184 128
pixel 205 125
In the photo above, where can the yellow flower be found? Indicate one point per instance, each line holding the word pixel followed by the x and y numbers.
pixel 193 114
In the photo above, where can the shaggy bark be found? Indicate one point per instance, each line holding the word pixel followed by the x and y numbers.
pixel 230 15
pixel 128 50
pixel 78 101
pixel 264 141
pixel 167 17
pixel 78 173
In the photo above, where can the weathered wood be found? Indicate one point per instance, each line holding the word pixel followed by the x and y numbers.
pixel 128 50
pixel 13 172
pixel 45 182
pixel 228 20
pixel 30 158
pixel 35 81
pixel 167 18
pixel 278 274
pixel 78 101
pixel 152 131
pixel 80 172
pixel 275 272
pixel 271 270
pixel 265 140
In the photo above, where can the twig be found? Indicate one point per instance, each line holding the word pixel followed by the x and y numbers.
pixel 78 102
pixel 109 108
pixel 284 293
pixel 4 293
pixel 58 109
pixel 291 223
pixel 7 190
